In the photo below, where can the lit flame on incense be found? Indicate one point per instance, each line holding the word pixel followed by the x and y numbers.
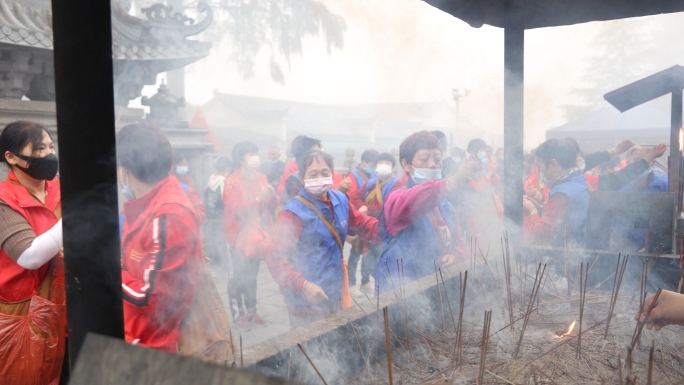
pixel 681 139
pixel 572 326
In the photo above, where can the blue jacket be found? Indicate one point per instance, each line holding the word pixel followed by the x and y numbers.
pixel 386 190
pixel 317 256
pixel 575 187
pixel 658 184
pixel 360 179
pixel 417 245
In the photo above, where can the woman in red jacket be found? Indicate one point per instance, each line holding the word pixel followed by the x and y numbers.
pixel 31 267
pixel 161 243
pixel 250 202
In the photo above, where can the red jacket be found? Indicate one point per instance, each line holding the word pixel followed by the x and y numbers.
pixel 161 263
pixel 17 283
pixel 239 198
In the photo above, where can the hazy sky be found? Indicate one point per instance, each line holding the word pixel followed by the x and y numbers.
pixel 408 51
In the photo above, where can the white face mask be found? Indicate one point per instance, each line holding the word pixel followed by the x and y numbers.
pixel 317 187
pixel 383 170
pixel 253 161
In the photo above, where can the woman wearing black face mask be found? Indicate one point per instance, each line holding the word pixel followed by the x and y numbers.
pixel 31 265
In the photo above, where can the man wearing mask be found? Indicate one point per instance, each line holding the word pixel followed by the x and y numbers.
pixel 363 171
pixel 369 199
pixel 249 203
pixel 418 225
pixel 566 210
pixel 181 169
pixel 449 165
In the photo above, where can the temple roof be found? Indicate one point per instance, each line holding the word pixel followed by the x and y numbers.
pixel 163 35
pixel 552 13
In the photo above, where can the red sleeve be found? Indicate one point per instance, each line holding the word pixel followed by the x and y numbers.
pixel 197 204
pixel 284 240
pixel 544 229
pixel 592 180
pixel 363 225
pixel 237 207
pixel 337 179
pixel 404 207
pixel 158 297
pixel 353 186
pixel 356 197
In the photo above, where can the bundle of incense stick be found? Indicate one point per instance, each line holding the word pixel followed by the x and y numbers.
pixel 620 268
pixel 312 364
pixel 664 168
pixel 483 347
pixel 507 274
pixel 388 347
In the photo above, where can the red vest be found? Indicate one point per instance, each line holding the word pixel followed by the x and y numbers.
pixel 17 283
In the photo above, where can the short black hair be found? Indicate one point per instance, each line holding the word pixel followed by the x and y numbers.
pixel 178 158
pixel 421 140
pixel 443 141
pixel 370 156
pixel 145 151
pixel 476 144
pixel 561 150
pixel 17 135
pixel 223 163
pixel 241 149
pixel 386 156
pixel 575 144
pixel 308 158
pixel 302 144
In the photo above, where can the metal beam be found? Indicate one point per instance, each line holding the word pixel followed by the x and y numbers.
pixel 514 64
pixel 85 127
pixel 675 151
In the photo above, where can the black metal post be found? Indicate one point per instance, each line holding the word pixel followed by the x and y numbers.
pixel 675 151
pixel 85 128
pixel 514 64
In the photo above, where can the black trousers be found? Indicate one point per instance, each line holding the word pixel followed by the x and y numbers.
pixel 242 284
pixel 214 243
pixel 370 262
pixel 352 264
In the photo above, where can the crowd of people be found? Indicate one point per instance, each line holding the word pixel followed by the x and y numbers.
pixel 400 216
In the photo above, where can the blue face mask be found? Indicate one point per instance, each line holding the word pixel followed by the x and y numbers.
pixel 369 170
pixel 182 170
pixel 544 181
pixel 421 175
pixel 482 156
pixel 127 192
pixel 456 159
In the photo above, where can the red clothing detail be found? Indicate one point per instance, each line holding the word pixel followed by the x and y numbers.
pixel 197 204
pixel 160 264
pixel 185 179
pixel 290 168
pixel 17 283
pixel 592 181
pixel 287 229
pixel 544 229
pixel 375 208
pixel 404 207
pixel 239 197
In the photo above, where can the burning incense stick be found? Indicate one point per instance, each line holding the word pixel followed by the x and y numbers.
pixel 649 381
pixel 507 274
pixel 617 281
pixel 312 364
pixel 441 303
pixel 533 294
pixel 583 293
pixel 640 325
pixel 242 363
pixel 485 342
pixel 387 345
pixel 459 332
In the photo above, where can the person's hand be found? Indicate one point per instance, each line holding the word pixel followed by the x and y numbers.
pixel 655 153
pixel 314 293
pixel 345 185
pixel 669 310
pixel 535 194
pixel 363 210
pixel 266 193
pixel 467 171
pixel 528 206
pixel 621 147
pixel 446 260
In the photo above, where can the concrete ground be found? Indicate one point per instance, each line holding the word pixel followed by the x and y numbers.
pixel 270 305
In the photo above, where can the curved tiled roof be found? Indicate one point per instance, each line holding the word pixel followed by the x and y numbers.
pixel 29 23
